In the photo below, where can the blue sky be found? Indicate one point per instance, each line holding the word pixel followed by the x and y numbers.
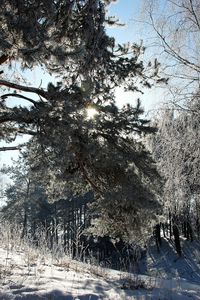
pixel 126 11
pixel 129 13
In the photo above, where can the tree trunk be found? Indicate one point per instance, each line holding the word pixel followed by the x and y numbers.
pixel 163 229
pixel 177 240
pixel 24 230
pixel 157 236
pixel 25 221
pixel 184 229
pixel 198 228
pixel 189 231
pixel 170 225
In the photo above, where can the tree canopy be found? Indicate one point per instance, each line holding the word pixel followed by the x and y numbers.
pixel 68 150
pixel 176 150
pixel 177 40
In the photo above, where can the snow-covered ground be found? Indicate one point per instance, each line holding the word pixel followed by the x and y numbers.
pixel 26 274
pixel 167 264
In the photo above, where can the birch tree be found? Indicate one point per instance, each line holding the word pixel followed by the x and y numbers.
pixel 177 40
pixel 175 148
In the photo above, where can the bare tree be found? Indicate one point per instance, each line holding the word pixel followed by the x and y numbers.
pixel 177 27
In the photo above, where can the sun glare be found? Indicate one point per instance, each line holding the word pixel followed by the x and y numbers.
pixel 91 112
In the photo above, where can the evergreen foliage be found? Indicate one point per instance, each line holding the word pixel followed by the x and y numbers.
pixel 70 152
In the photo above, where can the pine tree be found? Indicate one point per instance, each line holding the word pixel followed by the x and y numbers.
pixel 69 151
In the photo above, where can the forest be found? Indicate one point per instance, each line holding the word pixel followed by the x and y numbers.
pixel 93 180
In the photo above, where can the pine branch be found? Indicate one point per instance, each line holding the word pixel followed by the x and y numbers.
pixel 13 117
pixel 26 51
pixel 26 131
pixel 3 58
pixel 11 148
pixel 24 88
pixel 35 103
pixel 85 175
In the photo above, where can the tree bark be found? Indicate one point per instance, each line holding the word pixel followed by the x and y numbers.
pixel 177 240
